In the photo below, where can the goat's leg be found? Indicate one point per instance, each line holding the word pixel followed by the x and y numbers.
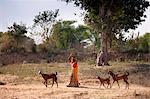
pixel 56 82
pixel 104 85
pixel 112 84
pixel 118 83
pixel 107 84
pixel 46 83
pixel 52 83
pixel 127 84
pixel 100 85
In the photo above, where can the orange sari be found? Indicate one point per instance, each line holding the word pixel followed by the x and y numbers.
pixel 74 76
pixel 75 70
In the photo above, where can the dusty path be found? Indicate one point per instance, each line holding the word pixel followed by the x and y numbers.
pixel 38 91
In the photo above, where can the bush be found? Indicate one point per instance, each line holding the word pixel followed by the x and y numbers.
pixel 137 45
pixel 7 43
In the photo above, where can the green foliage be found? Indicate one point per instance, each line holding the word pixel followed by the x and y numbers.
pixel 44 20
pixel 15 40
pixel 67 36
pixel 111 17
pixel 127 14
pixel 83 32
pixel 7 43
pixel 17 30
pixel 33 48
pixel 137 45
pixel 63 34
pixel 47 46
pixel 144 43
pixel 41 48
pixel 27 45
pixel 22 42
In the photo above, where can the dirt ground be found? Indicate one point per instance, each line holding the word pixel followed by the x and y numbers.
pixel 23 82
pixel 87 90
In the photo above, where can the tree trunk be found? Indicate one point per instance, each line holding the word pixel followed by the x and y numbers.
pixel 102 57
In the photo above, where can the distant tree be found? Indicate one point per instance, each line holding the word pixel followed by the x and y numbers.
pixel 83 32
pixel 87 33
pixel 45 20
pixel 109 17
pixel 144 43
pixel 63 34
pixel 17 32
pixel 27 44
pixel 18 41
pixel 139 44
pixel 67 36
pixel 7 43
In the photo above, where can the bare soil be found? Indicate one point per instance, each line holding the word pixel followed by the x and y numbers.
pixel 89 89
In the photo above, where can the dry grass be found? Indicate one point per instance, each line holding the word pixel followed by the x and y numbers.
pixel 139 72
pixel 24 80
pixel 28 73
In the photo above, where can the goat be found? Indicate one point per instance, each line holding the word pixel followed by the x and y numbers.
pixel 117 78
pixel 103 81
pixel 49 76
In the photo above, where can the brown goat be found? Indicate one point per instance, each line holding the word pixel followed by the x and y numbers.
pixel 104 81
pixel 49 76
pixel 116 78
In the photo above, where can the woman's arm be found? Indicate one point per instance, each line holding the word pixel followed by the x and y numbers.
pixel 71 55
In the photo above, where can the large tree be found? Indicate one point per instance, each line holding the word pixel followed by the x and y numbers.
pixel 110 17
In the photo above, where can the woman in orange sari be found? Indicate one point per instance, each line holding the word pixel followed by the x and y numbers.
pixel 74 76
